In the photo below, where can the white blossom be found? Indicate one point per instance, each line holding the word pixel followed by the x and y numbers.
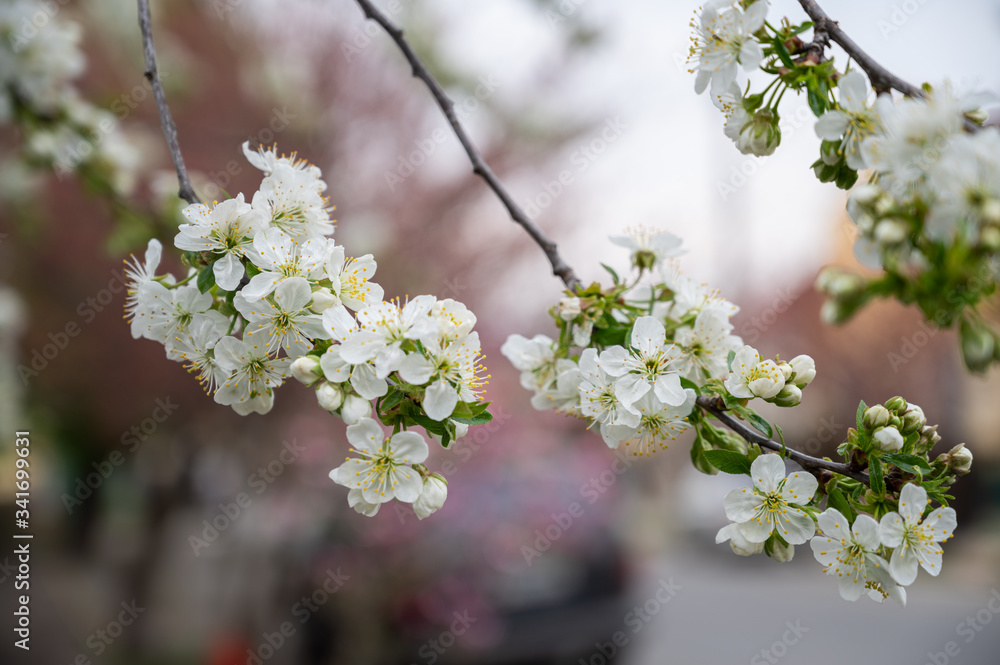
pixel 287 323
pixel 227 229
pixel 280 256
pixel 253 375
pixel 723 40
pixel 769 507
pixel 751 376
pixel 851 554
pixel 915 541
pixel 384 469
pixel 432 497
pixel 647 365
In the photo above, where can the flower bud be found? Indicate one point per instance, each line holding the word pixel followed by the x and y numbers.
pixel 786 370
pixel 928 439
pixel 991 211
pixel 884 204
pixel 569 308
pixel 897 404
pixel 354 409
pixel 876 416
pixel 761 135
pixel 888 439
pixel 780 552
pixel 891 231
pixel 914 419
pixel 978 345
pixel 838 282
pixel 960 459
pixel 989 238
pixel 461 429
pixel 306 369
pixel 432 497
pixel 323 299
pixel 329 396
pixel 790 395
pixel 978 116
pixel 803 370
pixel 866 195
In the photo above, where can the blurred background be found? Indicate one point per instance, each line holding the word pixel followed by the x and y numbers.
pixel 170 530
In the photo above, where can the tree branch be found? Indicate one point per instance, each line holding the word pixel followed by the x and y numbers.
pixel 479 166
pixel 814 465
pixel 824 27
pixel 186 191
pixel 881 78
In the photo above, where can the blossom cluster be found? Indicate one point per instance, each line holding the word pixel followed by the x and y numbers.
pixel 270 295
pixel 655 355
pixel 881 557
pixel 647 347
pixel 929 215
pixel 39 59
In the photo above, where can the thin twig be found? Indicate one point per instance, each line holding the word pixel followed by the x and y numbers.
pixel 717 408
pixel 186 191
pixel 881 78
pixel 559 267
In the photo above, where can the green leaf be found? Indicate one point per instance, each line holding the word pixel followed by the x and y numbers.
pixel 783 54
pixel 432 426
pixel 909 463
pixel 816 102
pixel 392 399
pixel 875 475
pixel 728 461
pixel 798 30
pixel 480 419
pixel 759 423
pixel 730 359
pixel 688 383
pixel 781 438
pixel 206 279
pixel 836 499
pixel 698 457
pixel 252 270
pixel 860 418
pixel 612 272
